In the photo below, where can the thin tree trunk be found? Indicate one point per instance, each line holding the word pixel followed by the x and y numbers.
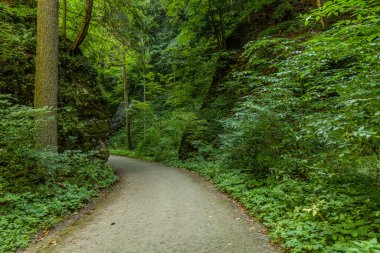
pixel 319 6
pixel 86 24
pixel 46 82
pixel 126 103
pixel 144 86
pixel 213 25
pixel 144 102
pixel 222 28
pixel 64 19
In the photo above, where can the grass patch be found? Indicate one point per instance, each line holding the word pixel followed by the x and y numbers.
pixel 129 153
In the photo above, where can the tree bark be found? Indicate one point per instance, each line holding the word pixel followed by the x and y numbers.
pixel 46 82
pixel 126 103
pixel 86 24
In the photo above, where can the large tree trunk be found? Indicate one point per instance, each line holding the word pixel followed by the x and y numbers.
pixel 86 24
pixel 126 103
pixel 46 82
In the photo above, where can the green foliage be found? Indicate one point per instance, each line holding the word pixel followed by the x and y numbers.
pixel 365 246
pixel 286 28
pixel 17 40
pixel 312 107
pixel 17 128
pixel 24 214
pixel 17 34
pixel 160 140
pixel 263 125
pixel 318 216
pixel 346 83
pixel 355 10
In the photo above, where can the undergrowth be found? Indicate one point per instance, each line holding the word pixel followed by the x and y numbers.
pixel 39 188
pixel 334 215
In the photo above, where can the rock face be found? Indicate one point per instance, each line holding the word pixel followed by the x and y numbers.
pixel 82 110
pixel 118 119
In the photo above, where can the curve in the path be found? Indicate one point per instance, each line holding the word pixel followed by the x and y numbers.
pixel 160 209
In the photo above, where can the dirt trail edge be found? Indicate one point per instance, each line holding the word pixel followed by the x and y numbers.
pixel 160 209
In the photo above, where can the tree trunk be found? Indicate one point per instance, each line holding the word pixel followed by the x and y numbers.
pixel 126 103
pixel 46 82
pixel 86 24
pixel 64 18
pixel 319 6
pixel 222 27
pixel 144 86
pixel 144 103
pixel 213 25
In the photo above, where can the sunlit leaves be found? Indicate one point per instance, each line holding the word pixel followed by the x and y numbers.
pixel 357 11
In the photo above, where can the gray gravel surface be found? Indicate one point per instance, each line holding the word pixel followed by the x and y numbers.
pixel 160 209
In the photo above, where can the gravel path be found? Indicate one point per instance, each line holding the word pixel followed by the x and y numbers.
pixel 160 209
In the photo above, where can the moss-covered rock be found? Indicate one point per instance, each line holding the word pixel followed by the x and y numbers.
pixel 83 112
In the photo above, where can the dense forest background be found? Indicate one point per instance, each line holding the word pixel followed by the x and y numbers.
pixel 277 102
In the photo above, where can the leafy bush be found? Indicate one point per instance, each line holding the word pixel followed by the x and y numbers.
pixel 356 11
pixel 312 107
pixel 161 138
